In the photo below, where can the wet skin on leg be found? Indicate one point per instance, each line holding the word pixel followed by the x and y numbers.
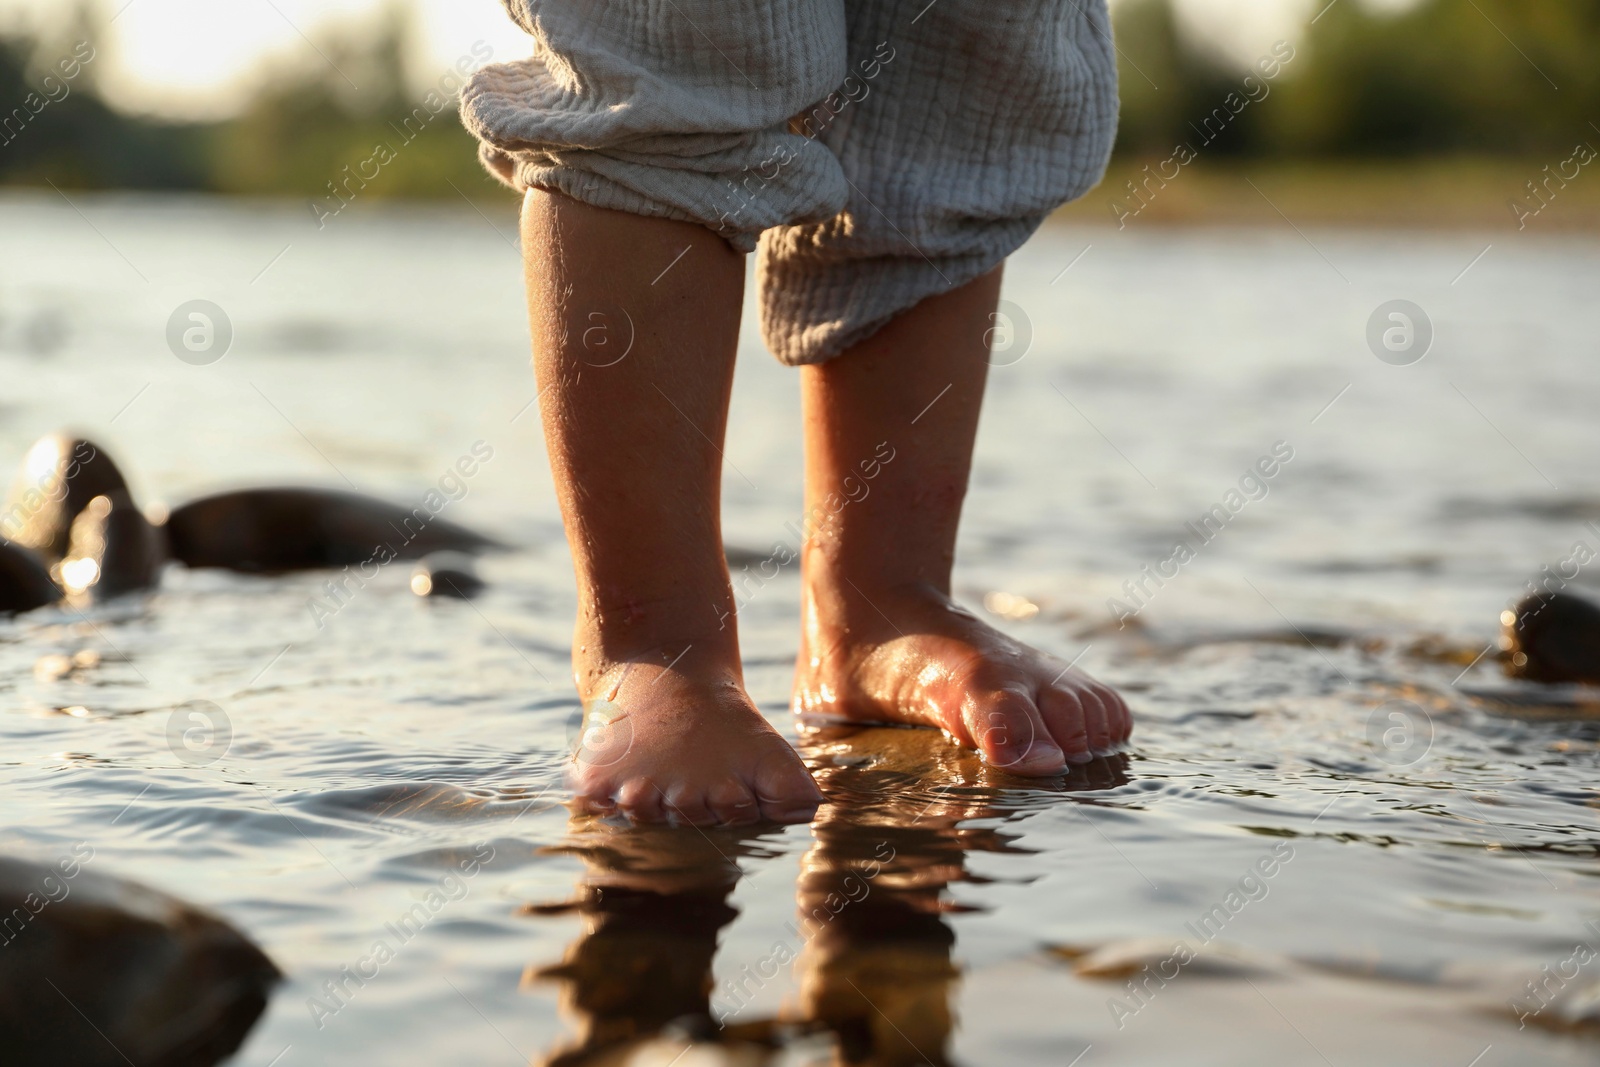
pixel 882 640
pixel 636 452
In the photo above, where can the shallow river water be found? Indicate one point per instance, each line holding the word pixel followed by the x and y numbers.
pixel 1339 835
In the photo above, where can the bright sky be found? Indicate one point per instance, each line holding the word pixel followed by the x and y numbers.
pixel 201 57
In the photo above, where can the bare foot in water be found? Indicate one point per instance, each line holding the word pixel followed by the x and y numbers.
pixel 636 459
pixel 671 737
pixel 890 427
pixel 914 656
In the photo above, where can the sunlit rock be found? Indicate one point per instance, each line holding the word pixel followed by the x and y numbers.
pixel 59 476
pixel 113 550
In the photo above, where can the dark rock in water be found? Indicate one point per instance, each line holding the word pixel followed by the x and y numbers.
pixel 99 972
pixel 59 476
pixel 452 574
pixel 25 584
pixel 284 529
pixel 1552 637
pixel 113 549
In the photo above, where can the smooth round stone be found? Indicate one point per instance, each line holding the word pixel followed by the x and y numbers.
pixel 289 528
pixel 1552 637
pixel 96 971
pixel 113 550
pixel 25 583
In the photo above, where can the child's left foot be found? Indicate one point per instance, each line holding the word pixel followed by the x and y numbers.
pixel 914 656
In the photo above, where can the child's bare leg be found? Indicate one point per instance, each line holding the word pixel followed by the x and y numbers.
pixel 635 447
pixel 882 639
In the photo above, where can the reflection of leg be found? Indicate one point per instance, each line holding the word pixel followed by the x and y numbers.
pixel 634 429
pixel 643 962
pixel 876 967
pixel 654 902
pixel 882 982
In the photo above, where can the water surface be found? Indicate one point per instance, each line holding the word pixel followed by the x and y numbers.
pixel 1306 688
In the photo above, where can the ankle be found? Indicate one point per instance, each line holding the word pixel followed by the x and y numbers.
pixel 865 605
pixel 619 625
pixel 599 659
pixel 851 587
pixel 828 565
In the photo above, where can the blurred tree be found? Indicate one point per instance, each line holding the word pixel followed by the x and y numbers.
pixel 317 131
pixel 347 126
pixel 1496 76
pixel 1166 83
pixel 74 138
pixel 1504 77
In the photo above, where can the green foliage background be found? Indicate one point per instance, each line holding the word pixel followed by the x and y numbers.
pixel 1483 77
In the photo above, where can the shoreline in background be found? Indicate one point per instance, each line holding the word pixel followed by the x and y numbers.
pixel 1455 193
pixel 1436 193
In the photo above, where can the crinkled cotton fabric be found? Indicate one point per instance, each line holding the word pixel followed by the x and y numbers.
pixel 873 152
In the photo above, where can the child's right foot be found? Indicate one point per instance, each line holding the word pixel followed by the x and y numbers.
pixel 678 740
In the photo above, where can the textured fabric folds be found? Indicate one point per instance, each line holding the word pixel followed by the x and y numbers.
pixel 882 151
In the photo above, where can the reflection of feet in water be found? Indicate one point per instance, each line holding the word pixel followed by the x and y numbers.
pixel 916 657
pixel 654 900
pixel 872 948
pixel 876 968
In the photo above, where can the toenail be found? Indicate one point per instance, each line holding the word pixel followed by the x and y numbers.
pixel 1047 751
pixel 1036 753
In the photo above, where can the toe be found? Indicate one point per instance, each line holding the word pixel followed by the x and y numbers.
pixel 1010 734
pixel 1117 715
pixel 592 794
pixel 593 803
pixel 686 805
pixel 1121 715
pixel 1114 710
pixel 784 789
pixel 732 803
pixel 1096 721
pixel 1067 721
pixel 641 800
